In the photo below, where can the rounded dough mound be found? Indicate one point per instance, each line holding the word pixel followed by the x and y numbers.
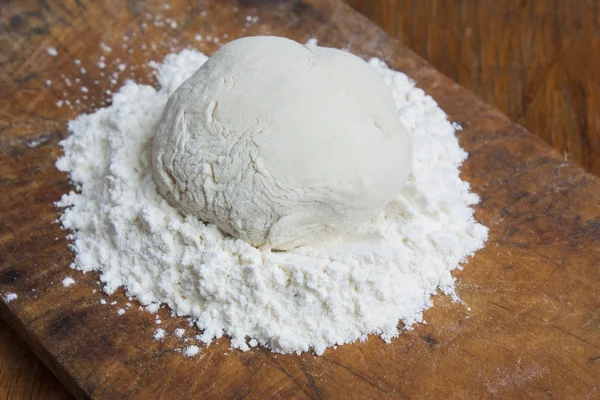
pixel 280 144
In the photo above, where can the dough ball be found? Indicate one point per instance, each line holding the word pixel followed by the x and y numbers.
pixel 280 144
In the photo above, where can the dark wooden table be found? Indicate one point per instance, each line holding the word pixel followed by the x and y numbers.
pixel 536 61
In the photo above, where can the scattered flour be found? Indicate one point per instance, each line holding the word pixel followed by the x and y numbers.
pixel 308 298
pixel 105 48
pixel 152 308
pixel 159 334
pixel 8 297
pixel 191 351
pixel 179 332
pixel 68 281
pixel 112 71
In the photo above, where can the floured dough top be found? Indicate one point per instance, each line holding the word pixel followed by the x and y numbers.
pixel 280 144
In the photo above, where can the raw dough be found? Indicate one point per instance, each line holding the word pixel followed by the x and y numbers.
pixel 280 144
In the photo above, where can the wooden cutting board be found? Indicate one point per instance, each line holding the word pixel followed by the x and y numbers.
pixel 533 329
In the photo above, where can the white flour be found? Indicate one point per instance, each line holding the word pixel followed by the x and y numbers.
pixel 295 301
pixel 68 281
pixel 8 297
pixel 159 334
pixel 191 351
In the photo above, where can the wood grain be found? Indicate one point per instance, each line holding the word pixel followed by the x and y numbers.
pixel 533 325
pixel 22 374
pixel 537 61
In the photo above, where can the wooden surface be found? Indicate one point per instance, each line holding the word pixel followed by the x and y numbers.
pixel 533 328
pixel 22 374
pixel 538 61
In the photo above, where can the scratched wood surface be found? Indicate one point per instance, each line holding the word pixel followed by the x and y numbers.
pixel 533 325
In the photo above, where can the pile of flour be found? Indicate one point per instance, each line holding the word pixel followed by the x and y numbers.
pixel 308 298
